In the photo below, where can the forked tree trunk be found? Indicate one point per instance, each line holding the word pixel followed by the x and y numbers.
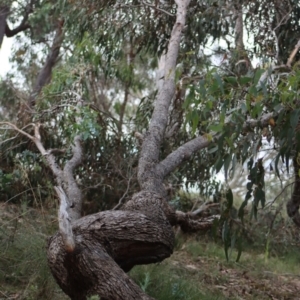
pixel 108 244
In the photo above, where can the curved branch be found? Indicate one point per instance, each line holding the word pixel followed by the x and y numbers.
pixel 158 9
pixel 184 152
pixel 37 140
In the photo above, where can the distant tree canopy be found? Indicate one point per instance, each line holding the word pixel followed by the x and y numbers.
pixel 108 56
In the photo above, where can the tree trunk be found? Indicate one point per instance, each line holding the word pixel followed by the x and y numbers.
pixel 90 255
pixel 108 244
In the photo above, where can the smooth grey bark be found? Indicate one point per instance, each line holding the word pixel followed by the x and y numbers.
pixel 149 157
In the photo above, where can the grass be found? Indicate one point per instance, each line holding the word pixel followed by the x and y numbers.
pixel 166 282
pixel 197 270
pixel 24 272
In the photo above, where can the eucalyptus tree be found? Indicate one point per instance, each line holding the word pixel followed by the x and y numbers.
pixel 102 121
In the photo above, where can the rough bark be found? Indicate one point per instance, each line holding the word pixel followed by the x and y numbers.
pixel 107 244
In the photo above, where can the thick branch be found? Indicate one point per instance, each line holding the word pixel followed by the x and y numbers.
pixel 261 122
pixel 184 152
pixel 294 203
pixel 152 140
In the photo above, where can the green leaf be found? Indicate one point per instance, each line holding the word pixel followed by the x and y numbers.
pixel 231 80
pixel 245 80
pixel 229 198
pixel 219 81
pixel 227 161
pixel 239 247
pixel 276 165
pixel 195 120
pixel 219 164
pixel 216 127
pixel 294 118
pixel 257 76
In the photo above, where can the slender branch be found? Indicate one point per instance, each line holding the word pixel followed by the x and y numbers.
pixel 203 208
pixel 19 130
pixel 37 140
pixel 123 197
pixel 285 67
pixel 157 8
pixel 293 54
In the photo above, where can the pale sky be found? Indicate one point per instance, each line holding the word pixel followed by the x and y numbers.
pixel 5 52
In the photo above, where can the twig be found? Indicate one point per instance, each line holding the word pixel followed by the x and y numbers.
pixel 157 8
pixel 282 191
pixel 123 197
pixel 284 274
